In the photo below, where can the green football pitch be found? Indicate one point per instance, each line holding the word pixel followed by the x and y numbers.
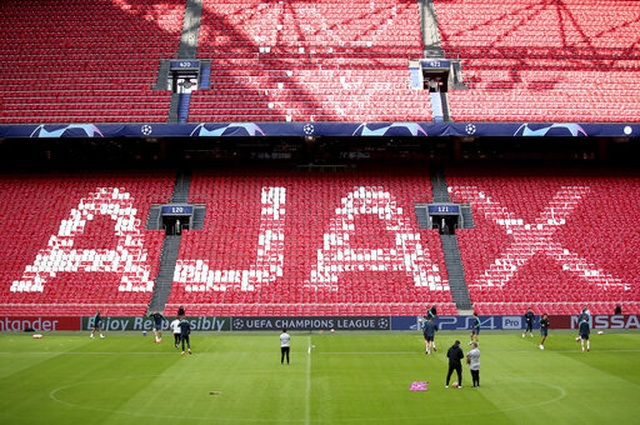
pixel 341 378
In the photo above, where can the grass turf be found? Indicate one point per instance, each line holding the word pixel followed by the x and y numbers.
pixel 345 378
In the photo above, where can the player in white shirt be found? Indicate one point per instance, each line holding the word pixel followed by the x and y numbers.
pixel 175 327
pixel 285 346
pixel 473 360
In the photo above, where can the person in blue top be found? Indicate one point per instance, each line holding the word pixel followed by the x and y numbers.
pixel 528 321
pixel 475 328
pixel 97 325
pixel 158 322
pixel 584 329
pixel 185 331
pixel 429 329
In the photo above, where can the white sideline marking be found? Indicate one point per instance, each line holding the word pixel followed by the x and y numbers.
pixel 307 405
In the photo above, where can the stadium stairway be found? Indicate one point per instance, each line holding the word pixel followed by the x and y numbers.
pixel 171 246
pixel 430 30
pixel 453 261
pixel 181 188
pixel 164 279
pixel 179 107
pixel 173 108
pixel 433 49
pixel 190 30
pixel 183 107
pixel 455 270
pixel 439 185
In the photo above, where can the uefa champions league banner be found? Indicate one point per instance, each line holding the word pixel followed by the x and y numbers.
pixel 319 129
pixel 325 323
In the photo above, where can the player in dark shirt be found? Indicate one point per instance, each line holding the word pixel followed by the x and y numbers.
pixel 544 329
pixel 475 328
pixel 455 356
pixel 97 325
pixel 584 329
pixel 528 321
pixel 185 331
pixel 158 321
pixel 429 329
pixel 432 314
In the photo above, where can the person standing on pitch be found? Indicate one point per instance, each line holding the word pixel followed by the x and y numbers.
pixel 285 346
pixel 158 322
pixel 585 313
pixel 584 329
pixel 455 355
pixel 473 360
pixel 528 321
pixel 475 328
pixel 175 327
pixel 97 325
pixel 544 329
pixel 429 329
pixel 185 331
pixel 432 314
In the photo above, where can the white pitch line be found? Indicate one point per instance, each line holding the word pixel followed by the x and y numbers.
pixel 366 353
pixel 89 353
pixel 307 406
pixel 404 353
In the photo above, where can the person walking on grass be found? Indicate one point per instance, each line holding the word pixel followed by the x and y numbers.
pixel 455 356
pixel 185 331
pixel 158 323
pixel 97 325
pixel 584 329
pixel 475 328
pixel 528 321
pixel 285 346
pixel 473 360
pixel 429 329
pixel 175 327
pixel 432 314
pixel 544 329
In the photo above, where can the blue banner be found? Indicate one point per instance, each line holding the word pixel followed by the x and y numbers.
pixel 321 129
pixel 321 323
pixel 463 323
pixel 443 209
